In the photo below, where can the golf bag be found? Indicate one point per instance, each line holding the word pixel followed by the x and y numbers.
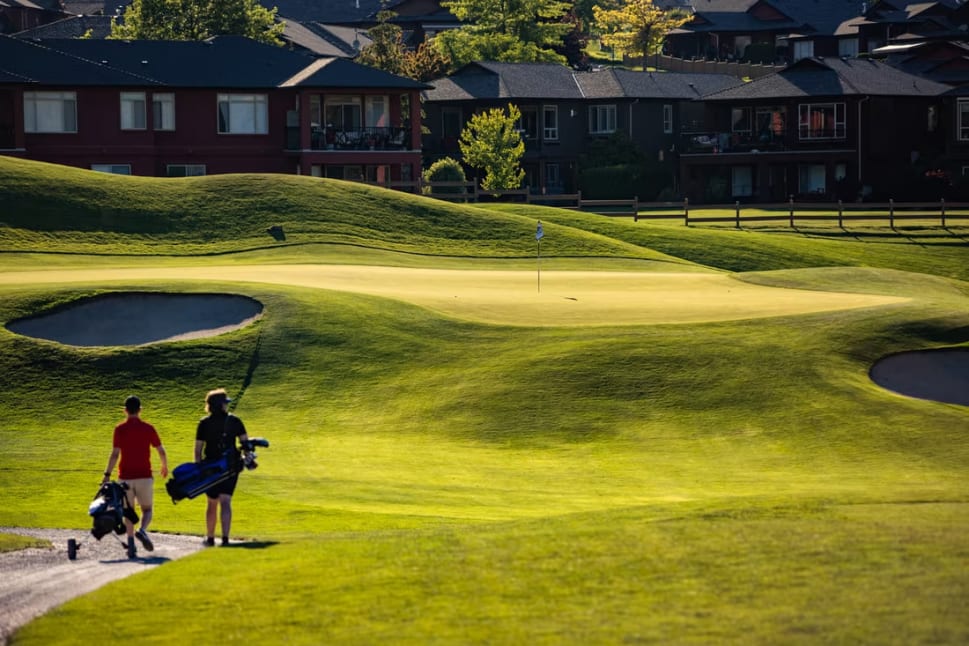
pixel 194 478
pixel 109 509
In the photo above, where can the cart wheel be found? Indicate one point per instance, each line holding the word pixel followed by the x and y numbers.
pixel 71 549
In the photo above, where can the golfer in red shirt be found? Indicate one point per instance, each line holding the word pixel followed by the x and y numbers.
pixel 133 439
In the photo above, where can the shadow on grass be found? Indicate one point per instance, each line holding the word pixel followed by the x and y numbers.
pixel 250 545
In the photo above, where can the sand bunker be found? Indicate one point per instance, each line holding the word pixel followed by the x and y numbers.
pixel 139 318
pixel 937 375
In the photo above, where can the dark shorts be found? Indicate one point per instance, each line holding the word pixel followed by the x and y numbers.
pixel 227 487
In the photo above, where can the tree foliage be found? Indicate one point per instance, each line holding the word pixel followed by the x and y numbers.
pixel 636 26
pixel 446 169
pixel 504 30
pixel 197 20
pixel 388 52
pixel 491 143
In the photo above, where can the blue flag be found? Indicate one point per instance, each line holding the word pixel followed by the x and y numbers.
pixel 539 234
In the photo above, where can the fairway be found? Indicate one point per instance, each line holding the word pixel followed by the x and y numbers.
pixel 554 298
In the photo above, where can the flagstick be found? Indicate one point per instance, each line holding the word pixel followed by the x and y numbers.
pixel 539 265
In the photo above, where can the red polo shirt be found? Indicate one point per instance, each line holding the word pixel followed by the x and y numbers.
pixel 135 438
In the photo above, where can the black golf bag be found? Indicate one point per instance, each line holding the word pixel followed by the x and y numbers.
pixel 109 509
pixel 194 478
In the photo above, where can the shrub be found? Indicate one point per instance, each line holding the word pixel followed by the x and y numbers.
pixel 444 170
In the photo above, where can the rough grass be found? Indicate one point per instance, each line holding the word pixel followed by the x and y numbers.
pixel 433 480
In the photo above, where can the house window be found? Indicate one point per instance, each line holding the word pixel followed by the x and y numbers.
pixel 550 122
pixel 741 179
pixel 848 47
pixel 811 178
pixel 186 170
pixel 114 169
pixel 50 111
pixel 378 114
pixel 963 119
pixel 769 124
pixel 243 114
pixel 602 119
pixel 163 111
pixel 667 118
pixel 803 49
pixel 133 111
pixel 527 125
pixel 741 120
pixel 553 176
pixel 344 112
pixel 821 121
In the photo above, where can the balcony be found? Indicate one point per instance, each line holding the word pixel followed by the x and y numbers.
pixel 363 138
pixel 734 142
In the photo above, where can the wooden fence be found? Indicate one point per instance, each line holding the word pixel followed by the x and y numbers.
pixel 792 212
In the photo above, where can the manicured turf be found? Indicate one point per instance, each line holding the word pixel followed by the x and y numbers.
pixel 440 476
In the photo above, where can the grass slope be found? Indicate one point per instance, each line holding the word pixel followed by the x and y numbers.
pixel 432 480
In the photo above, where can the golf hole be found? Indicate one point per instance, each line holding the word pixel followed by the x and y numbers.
pixel 937 375
pixel 140 318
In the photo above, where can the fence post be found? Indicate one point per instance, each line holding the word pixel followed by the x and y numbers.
pixel 891 212
pixel 943 212
pixel 578 200
pixel 635 208
pixel 686 211
pixel 736 207
pixel 840 215
pixel 790 202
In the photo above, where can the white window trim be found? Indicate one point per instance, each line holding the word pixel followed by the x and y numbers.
pixel 112 168
pixel 169 167
pixel 133 108
pixel 840 124
pixel 962 120
pixel 260 104
pixel 609 113
pixel 163 99
pixel 30 111
pixel 550 132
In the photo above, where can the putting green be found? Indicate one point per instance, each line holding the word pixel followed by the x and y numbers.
pixel 513 297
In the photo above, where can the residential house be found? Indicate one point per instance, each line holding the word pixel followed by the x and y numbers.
pixel 228 104
pixel 884 22
pixel 564 111
pixel 822 129
pixel 763 31
pixel 17 15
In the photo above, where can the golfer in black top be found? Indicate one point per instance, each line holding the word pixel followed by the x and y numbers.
pixel 216 434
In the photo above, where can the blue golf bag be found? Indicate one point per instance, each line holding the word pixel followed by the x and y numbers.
pixel 194 478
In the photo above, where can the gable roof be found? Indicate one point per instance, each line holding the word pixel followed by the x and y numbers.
pixel 324 40
pixel 495 81
pixel 346 12
pixel 229 62
pixel 802 16
pixel 71 27
pixel 815 77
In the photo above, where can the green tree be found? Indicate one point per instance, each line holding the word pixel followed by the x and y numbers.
pixel 387 52
pixel 491 143
pixel 197 20
pixel 636 26
pixel 504 30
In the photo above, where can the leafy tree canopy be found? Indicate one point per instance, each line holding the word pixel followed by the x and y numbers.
pixel 490 142
pixel 387 52
pixel 505 30
pixel 197 20
pixel 636 26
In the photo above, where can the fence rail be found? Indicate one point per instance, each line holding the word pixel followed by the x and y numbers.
pixel 790 211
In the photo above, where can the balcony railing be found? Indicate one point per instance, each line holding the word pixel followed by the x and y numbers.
pixel 364 138
pixel 734 142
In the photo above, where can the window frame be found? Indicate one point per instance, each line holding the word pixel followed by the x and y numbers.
pixel 260 105
pixel 800 45
pixel 805 132
pixel 112 168
pixel 599 118
pixel 134 111
pixel 158 113
pixel 668 118
pixel 169 167
pixel 550 132
pixel 68 118
pixel 962 119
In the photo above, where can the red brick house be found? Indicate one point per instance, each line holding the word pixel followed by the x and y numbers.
pixel 224 105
